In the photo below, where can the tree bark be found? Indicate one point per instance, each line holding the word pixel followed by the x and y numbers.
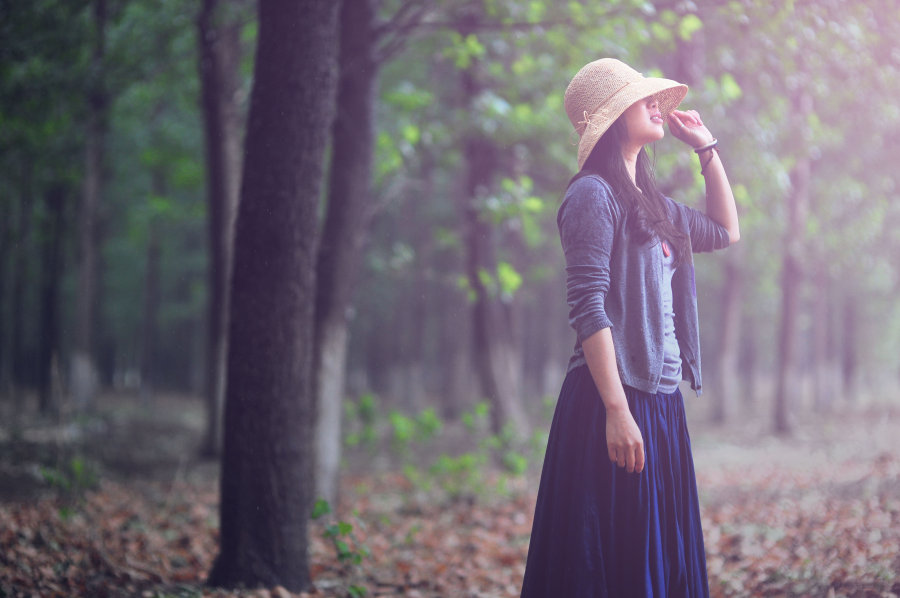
pixel 83 367
pixel 268 459
pixel 792 275
pixel 220 54
pixel 51 263
pixel 347 221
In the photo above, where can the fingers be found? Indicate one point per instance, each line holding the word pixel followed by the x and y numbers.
pixel 631 458
pixel 675 122
pixel 624 443
pixel 687 117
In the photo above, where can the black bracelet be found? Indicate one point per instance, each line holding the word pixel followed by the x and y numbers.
pixel 708 160
pixel 708 146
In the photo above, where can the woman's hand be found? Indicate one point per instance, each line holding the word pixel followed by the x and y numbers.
pixel 624 441
pixel 687 126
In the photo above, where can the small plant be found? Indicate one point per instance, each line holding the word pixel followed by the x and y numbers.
pixel 361 418
pixel 515 463
pixel 348 549
pixel 476 419
pixel 402 428
pixel 428 425
pixel 461 475
pixel 423 428
pixel 72 478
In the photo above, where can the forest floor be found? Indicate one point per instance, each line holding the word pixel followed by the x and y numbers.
pixel 116 504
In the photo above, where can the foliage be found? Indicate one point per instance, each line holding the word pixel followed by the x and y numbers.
pixel 347 547
pixel 414 439
pixel 747 61
pixel 72 479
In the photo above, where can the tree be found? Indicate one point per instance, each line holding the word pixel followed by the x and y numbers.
pixel 218 35
pixel 267 464
pixel 83 367
pixel 365 44
pixel 350 210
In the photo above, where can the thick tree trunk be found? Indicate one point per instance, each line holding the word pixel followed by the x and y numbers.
pixel 345 229
pixel 83 375
pixel 268 452
pixel 791 278
pixel 220 55
pixel 51 260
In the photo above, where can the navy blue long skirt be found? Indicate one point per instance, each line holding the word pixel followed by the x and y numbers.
pixel 600 531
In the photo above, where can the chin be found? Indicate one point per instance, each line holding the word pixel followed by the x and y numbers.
pixel 654 138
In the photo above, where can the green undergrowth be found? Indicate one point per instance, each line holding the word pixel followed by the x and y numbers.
pixel 453 460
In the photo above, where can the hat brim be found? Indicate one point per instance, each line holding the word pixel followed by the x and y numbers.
pixel 668 93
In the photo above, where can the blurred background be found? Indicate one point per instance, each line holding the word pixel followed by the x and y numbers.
pixel 441 335
pixel 120 149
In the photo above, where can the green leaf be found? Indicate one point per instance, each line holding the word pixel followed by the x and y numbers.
pixel 343 548
pixel 411 133
pixel 321 508
pixel 689 25
pixel 729 88
pixel 510 280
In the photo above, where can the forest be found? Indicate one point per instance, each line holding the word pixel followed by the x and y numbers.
pixel 283 305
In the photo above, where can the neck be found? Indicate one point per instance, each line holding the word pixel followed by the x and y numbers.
pixel 630 154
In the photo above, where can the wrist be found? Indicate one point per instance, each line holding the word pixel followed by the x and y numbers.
pixel 706 146
pixel 617 407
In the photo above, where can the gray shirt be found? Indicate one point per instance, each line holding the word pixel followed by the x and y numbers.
pixel 671 368
pixel 614 281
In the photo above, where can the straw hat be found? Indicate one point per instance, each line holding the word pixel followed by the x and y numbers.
pixel 602 90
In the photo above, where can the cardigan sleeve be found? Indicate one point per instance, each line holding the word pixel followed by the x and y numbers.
pixel 587 221
pixel 706 233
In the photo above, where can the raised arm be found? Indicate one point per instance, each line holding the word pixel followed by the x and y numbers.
pixel 720 206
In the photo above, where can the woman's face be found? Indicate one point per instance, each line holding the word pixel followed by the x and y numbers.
pixel 644 122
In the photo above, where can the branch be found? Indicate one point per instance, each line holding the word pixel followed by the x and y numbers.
pixel 400 17
pixel 399 30
pixel 403 27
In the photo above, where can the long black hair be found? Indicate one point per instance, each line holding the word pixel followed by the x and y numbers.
pixel 648 211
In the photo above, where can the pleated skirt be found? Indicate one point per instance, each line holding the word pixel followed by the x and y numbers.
pixel 600 531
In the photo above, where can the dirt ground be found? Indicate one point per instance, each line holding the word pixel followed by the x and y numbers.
pixel 117 503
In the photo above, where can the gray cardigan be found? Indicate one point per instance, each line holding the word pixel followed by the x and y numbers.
pixel 613 281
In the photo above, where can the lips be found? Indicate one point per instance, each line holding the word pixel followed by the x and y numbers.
pixel 657 119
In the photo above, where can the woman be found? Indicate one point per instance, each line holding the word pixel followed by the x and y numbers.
pixel 617 512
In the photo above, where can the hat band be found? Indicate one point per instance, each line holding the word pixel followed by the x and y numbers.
pixel 599 112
